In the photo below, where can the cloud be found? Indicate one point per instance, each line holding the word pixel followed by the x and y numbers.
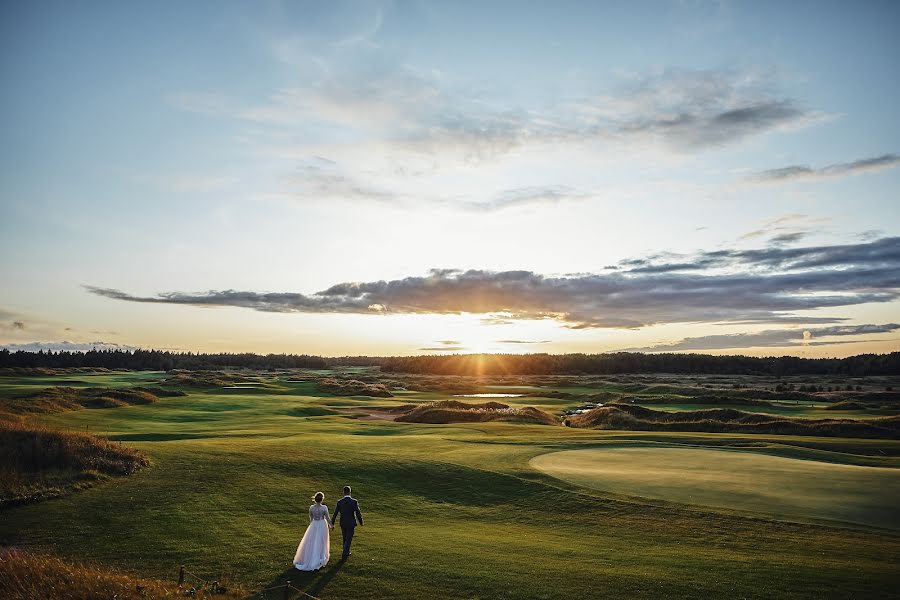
pixel 524 196
pixel 442 348
pixel 880 253
pixel 66 346
pixel 768 284
pixel 323 179
pixel 12 325
pixel 783 239
pixel 771 338
pixel 369 96
pixel 787 229
pixel 496 320
pixel 805 172
pixel 700 130
pixel 523 341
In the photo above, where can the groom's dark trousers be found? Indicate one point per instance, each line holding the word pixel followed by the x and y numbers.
pixel 347 510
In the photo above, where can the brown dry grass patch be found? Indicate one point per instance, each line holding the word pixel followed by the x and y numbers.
pixel 453 411
pixel 29 576
pixel 37 462
pixel 729 420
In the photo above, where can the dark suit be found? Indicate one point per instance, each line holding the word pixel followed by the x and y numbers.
pixel 348 510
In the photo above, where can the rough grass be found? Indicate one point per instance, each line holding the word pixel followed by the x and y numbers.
pixel 847 405
pixel 48 371
pixel 38 462
pixel 59 398
pixel 29 576
pixel 721 420
pixel 206 379
pixel 353 387
pixel 453 411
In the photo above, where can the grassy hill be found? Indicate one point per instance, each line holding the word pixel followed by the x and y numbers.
pixel 722 420
pixel 39 462
pixel 452 510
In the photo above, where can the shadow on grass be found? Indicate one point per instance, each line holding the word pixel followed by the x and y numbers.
pixel 312 582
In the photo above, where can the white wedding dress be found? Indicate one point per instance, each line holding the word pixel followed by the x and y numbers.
pixel 315 547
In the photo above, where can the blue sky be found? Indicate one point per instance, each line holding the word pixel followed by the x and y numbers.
pixel 519 178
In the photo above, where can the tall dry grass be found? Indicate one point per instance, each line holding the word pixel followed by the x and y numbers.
pixel 28 576
pixel 453 411
pixel 729 420
pixel 39 462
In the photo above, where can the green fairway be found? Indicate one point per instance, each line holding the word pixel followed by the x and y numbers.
pixel 451 511
pixel 775 486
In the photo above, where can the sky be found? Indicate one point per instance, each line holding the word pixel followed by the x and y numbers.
pixel 392 178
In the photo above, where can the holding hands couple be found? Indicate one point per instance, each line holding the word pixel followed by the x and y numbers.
pixel 315 547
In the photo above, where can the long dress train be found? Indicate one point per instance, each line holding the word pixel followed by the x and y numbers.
pixel 315 547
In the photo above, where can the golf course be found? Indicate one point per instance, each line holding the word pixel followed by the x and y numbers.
pixel 477 509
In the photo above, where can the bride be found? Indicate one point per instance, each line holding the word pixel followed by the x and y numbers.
pixel 315 547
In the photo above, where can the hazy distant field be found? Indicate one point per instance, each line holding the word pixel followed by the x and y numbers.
pixel 474 510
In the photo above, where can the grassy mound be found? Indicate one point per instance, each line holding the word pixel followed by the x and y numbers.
pixel 27 576
pixel 354 387
pixel 727 420
pixel 58 399
pixel 206 379
pixel 847 405
pixel 37 462
pixel 49 371
pixel 452 411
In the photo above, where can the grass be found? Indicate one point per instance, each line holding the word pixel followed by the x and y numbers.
pixel 62 398
pixel 28 576
pixel 452 511
pixel 629 416
pixel 781 487
pixel 38 462
pixel 353 387
pixel 453 411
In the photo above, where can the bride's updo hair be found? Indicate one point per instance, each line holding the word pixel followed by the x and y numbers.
pixel 318 498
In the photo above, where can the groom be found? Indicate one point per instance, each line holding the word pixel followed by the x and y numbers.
pixel 347 509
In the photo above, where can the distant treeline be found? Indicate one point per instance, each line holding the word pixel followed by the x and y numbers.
pixel 158 360
pixel 632 362
pixel 468 364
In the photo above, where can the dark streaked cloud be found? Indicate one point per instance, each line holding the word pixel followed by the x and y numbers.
pixel 523 341
pixel 783 239
pixel 762 285
pixel 12 325
pixel 698 130
pixel 796 172
pixel 879 253
pixel 772 338
pixel 421 111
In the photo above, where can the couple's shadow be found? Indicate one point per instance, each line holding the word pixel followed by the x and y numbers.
pixel 311 582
